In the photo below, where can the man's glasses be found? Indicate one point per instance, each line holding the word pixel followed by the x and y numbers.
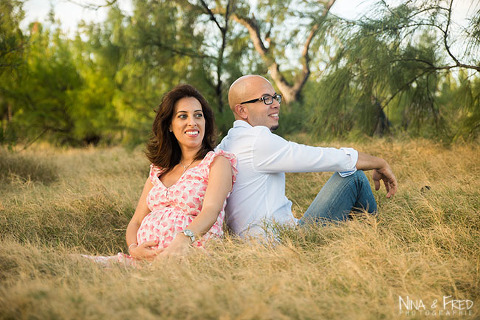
pixel 267 99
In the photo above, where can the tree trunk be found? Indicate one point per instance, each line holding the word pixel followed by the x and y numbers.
pixel 289 91
pixel 7 117
pixel 221 51
pixel 383 124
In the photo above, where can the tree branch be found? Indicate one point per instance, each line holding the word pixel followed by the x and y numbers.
pixel 404 87
pixel 289 91
pixel 94 5
pixel 254 31
pixel 434 67
pixel 305 53
pixel 187 53
pixel 29 143
pixel 445 35
pixel 212 16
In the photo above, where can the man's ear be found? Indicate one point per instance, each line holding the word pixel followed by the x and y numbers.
pixel 241 111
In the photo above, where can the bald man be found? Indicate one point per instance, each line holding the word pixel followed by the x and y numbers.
pixel 258 200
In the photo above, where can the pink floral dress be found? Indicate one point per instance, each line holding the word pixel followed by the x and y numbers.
pixel 175 207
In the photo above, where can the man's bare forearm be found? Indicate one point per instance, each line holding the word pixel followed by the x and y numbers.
pixel 369 162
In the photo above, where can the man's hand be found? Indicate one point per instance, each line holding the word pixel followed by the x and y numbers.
pixel 385 174
pixel 381 171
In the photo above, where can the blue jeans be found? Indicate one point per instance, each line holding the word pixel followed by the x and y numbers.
pixel 340 196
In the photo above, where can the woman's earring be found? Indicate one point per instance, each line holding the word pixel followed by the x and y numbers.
pixel 170 130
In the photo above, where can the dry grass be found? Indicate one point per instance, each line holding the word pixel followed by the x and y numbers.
pixel 424 244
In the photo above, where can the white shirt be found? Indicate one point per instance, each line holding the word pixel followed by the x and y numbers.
pixel 258 196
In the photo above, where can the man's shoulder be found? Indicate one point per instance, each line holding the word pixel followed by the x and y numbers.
pixel 262 129
pixel 243 128
pixel 240 137
pixel 257 131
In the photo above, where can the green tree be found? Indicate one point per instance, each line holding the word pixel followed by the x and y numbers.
pixel 92 106
pixel 224 55
pixel 391 71
pixel 11 37
pixel 47 87
pixel 139 58
pixel 160 48
pixel 279 26
pixel 12 46
pixel 162 44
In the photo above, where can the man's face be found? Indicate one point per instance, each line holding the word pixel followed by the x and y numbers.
pixel 258 113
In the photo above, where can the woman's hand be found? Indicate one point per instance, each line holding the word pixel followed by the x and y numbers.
pixel 144 251
pixel 179 247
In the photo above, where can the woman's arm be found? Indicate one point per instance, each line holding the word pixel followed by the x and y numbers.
pixel 219 185
pixel 143 251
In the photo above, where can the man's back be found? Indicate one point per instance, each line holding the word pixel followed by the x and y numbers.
pixel 258 196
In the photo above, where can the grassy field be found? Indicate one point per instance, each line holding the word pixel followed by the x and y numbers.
pixel 422 251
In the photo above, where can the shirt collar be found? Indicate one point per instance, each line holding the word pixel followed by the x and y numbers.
pixel 241 123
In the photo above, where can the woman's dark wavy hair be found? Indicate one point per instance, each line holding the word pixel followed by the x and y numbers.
pixel 163 149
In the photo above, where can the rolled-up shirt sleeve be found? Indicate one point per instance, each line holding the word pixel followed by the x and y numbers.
pixel 272 153
pixel 353 154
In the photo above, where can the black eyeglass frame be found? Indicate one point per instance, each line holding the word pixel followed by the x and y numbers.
pixel 276 96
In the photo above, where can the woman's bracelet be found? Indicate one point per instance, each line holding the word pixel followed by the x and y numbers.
pixel 133 244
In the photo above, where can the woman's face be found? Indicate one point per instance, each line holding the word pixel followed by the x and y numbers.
pixel 188 123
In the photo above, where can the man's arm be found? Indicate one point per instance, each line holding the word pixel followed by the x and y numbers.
pixel 381 171
pixel 272 153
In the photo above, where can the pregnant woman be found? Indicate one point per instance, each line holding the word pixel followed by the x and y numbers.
pixel 183 200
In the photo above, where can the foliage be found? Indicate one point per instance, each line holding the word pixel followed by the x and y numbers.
pixel 11 37
pixel 47 89
pixel 467 96
pixel 12 44
pixel 391 72
pixel 395 71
